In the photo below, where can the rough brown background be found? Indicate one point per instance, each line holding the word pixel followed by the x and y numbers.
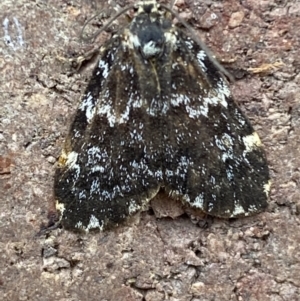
pixel 256 258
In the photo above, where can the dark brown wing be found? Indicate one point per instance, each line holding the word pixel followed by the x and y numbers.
pixel 110 166
pixel 213 158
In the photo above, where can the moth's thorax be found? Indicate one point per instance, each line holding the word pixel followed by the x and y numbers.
pixel 149 31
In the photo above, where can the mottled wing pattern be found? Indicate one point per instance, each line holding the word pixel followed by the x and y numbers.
pixel 157 113
pixel 213 158
pixel 110 166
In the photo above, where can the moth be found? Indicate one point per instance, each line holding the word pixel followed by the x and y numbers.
pixel 157 115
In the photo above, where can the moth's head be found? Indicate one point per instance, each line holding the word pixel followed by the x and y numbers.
pixel 148 28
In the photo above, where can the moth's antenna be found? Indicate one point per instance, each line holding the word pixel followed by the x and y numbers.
pixel 200 43
pixel 117 15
